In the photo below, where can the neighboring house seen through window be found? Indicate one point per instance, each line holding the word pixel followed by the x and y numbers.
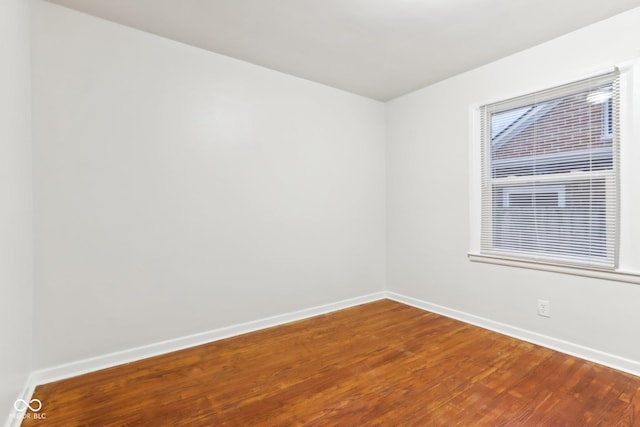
pixel 549 175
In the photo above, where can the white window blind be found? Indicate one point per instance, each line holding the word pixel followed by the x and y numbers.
pixel 550 175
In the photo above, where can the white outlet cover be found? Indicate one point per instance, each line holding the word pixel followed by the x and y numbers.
pixel 544 308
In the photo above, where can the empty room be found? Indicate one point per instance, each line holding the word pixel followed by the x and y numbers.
pixel 320 213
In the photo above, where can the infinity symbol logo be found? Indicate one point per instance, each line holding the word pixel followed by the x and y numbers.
pixel 22 405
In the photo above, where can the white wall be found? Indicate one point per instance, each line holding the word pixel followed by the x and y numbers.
pixel 429 210
pixel 15 202
pixel 179 191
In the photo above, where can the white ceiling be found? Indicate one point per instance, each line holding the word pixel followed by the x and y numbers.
pixel 377 48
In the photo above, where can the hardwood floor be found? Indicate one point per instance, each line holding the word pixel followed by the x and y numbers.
pixel 382 363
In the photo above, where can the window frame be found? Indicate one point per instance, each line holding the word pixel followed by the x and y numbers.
pixel 628 270
pixel 568 251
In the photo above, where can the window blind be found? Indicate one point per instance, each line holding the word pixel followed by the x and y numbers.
pixel 549 169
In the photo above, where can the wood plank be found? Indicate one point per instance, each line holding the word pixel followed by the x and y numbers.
pixel 382 363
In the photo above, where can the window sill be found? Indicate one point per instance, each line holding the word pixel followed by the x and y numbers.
pixel 618 276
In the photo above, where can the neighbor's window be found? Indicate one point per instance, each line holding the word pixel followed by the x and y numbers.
pixel 550 175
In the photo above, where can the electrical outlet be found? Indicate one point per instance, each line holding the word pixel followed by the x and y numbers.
pixel 544 308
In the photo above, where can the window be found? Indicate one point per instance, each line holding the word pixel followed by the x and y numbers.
pixel 550 175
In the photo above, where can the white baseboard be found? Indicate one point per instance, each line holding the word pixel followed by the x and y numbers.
pixel 80 367
pixel 582 352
